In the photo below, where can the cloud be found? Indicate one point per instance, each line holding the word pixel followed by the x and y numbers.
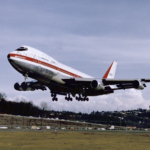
pixel 129 99
pixel 18 98
pixel 86 36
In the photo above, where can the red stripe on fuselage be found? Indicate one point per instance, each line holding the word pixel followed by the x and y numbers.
pixel 44 64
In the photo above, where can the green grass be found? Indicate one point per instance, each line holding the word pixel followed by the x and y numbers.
pixel 73 140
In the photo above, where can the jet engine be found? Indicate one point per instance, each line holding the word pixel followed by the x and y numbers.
pixel 97 85
pixel 18 87
pixel 138 85
pixel 29 86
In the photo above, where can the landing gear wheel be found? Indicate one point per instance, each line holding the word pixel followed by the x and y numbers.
pixel 68 98
pixel 54 99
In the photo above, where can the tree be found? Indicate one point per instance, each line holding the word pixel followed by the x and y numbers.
pixel 2 96
pixel 44 105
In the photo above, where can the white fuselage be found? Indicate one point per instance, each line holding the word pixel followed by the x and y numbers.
pixel 39 65
pixel 64 80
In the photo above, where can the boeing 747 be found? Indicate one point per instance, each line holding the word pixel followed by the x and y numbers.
pixel 64 80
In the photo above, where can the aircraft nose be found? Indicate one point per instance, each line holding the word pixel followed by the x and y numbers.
pixel 8 56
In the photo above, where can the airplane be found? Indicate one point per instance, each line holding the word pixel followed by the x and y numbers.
pixel 64 80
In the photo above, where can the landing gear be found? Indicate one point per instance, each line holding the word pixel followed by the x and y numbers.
pixel 24 84
pixel 82 98
pixel 53 94
pixel 83 94
pixel 54 97
pixel 68 98
pixel 25 77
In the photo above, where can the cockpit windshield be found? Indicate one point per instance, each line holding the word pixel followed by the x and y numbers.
pixel 22 49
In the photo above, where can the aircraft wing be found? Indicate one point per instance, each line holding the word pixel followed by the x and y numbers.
pixel 114 84
pixel 126 83
pixel 107 83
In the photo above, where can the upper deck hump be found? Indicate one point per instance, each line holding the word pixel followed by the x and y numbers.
pixel 39 53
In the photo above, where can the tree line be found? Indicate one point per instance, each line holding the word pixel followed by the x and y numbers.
pixel 24 108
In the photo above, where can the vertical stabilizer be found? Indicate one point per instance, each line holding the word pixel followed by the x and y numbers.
pixel 110 74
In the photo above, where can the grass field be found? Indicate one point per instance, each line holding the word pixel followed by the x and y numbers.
pixel 73 140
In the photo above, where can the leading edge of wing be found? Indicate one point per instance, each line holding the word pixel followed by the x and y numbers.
pixel 105 81
pixel 114 84
pixel 120 81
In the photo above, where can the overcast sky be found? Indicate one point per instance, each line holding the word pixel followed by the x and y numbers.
pixel 86 35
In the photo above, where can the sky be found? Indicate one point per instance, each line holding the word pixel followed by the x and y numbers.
pixel 86 35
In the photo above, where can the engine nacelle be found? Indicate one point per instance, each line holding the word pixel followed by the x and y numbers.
pixel 138 85
pixel 97 85
pixel 23 87
pixel 29 86
pixel 18 87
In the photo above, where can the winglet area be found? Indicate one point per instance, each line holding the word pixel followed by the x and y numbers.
pixel 110 73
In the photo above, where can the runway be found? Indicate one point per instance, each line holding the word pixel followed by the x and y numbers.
pixel 82 131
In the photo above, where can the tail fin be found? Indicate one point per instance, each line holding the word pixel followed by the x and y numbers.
pixel 110 74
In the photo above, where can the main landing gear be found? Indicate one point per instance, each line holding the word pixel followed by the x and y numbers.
pixel 54 97
pixel 68 98
pixel 82 98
